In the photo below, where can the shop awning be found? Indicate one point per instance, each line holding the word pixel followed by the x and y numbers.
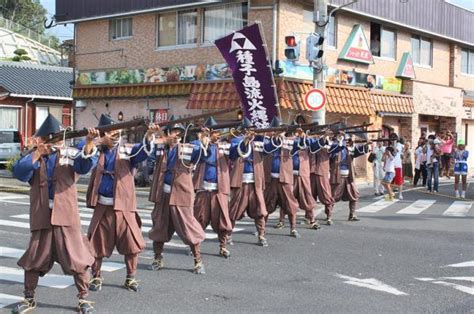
pixel 291 93
pixel 131 91
pixel 392 102
pixel 468 102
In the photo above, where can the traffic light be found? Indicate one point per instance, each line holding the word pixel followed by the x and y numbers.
pixel 292 50
pixel 314 51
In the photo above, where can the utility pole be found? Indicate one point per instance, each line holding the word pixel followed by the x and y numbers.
pixel 320 17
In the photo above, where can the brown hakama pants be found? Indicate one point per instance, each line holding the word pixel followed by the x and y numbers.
pixel 302 191
pixel 111 228
pixel 321 188
pixel 244 200
pixel 346 191
pixel 169 218
pixel 281 194
pixel 213 207
pixel 65 245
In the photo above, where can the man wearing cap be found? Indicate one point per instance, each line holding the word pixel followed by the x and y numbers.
pixel 172 191
pixel 111 192
pixel 278 167
pixel 342 175
pixel 55 225
pixel 212 185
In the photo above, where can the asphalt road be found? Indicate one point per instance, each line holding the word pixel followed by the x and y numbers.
pixel 390 261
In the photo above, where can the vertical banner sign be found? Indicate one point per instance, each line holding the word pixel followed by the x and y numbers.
pixel 253 77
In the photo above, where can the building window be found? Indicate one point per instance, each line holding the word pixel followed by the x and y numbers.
pixel 120 28
pixel 467 61
pixel 422 50
pixel 383 41
pixel 177 28
pixel 223 20
pixel 41 115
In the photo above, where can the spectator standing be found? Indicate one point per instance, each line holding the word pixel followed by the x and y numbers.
pixel 398 153
pixel 433 154
pixel 446 146
pixel 460 168
pixel 407 163
pixel 420 163
pixel 389 168
pixel 379 172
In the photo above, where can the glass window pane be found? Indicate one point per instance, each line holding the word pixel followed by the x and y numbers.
pixel 464 59
pixel 214 24
pixel 167 29
pixel 41 114
pixel 415 49
pixel 187 24
pixel 388 44
pixel 425 53
pixel 471 62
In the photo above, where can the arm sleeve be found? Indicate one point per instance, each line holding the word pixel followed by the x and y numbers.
pixel 198 152
pixel 233 154
pixel 24 167
pixel 141 156
pixel 360 150
pixel 84 165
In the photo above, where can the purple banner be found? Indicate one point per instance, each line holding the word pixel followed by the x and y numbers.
pixel 253 77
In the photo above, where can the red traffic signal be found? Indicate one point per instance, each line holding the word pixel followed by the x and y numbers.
pixel 290 41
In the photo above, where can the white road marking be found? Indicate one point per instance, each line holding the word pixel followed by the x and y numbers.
pixel 471 279
pixel 14 202
pixel 424 279
pixel 458 209
pixel 12 197
pixel 417 207
pixel 371 283
pixel 112 266
pixel 17 224
pixel 50 280
pixel 463 264
pixel 7 299
pixel 468 290
pixel 376 206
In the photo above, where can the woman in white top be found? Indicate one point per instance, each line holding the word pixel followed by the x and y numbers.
pixel 379 173
pixel 420 163
pixel 389 168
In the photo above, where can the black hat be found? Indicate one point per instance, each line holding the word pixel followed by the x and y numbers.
pixel 49 126
pixel 210 122
pixel 276 122
pixel 105 119
pixel 174 126
pixel 246 123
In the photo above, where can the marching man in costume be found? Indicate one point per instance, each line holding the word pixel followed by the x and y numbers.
pixel 111 192
pixel 56 234
pixel 172 191
pixel 342 175
pixel 301 172
pixel 321 151
pixel 247 181
pixel 279 177
pixel 212 184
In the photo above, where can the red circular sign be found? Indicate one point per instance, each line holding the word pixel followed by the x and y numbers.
pixel 315 99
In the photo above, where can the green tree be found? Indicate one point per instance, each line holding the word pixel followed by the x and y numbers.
pixel 28 13
pixel 20 55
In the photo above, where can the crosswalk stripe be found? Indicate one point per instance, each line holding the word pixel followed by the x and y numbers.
pixel 376 206
pixel 14 202
pixel 468 290
pixel 7 299
pixel 458 209
pixel 463 264
pixel 417 207
pixel 11 197
pixel 50 280
pixel 17 224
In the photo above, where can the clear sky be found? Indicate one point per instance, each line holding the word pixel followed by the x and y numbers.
pixel 468 4
pixel 60 30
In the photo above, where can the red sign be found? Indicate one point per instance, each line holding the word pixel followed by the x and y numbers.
pixel 356 48
pixel 315 99
pixel 159 115
pixel 359 54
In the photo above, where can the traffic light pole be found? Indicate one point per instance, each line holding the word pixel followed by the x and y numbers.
pixel 319 18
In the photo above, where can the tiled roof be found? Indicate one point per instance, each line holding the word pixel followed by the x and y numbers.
pixel 142 90
pixel 348 100
pixel 36 80
pixel 392 102
pixel 215 95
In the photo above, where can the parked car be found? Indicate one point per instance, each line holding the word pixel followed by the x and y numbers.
pixel 11 144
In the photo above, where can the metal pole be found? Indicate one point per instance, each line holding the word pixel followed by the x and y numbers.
pixel 319 18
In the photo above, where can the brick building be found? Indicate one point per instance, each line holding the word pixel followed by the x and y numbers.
pixel 155 58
